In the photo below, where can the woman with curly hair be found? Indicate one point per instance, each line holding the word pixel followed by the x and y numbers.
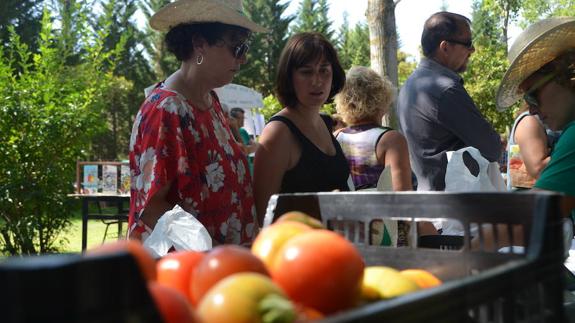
pixel 368 146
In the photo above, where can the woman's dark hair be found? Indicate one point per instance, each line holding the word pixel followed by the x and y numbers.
pixel 441 26
pixel 179 40
pixel 300 50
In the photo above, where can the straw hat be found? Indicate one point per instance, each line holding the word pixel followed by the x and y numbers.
pixel 201 11
pixel 536 46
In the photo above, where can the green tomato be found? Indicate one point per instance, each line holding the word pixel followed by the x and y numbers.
pixel 246 298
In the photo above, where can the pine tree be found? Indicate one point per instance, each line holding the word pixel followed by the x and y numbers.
pixel 359 43
pixel 73 16
pixel 344 49
pixel 265 48
pixel 25 16
pixel 313 15
pixel 117 21
pixel 163 62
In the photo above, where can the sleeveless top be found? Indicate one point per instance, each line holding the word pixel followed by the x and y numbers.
pixel 358 144
pixel 517 175
pixel 315 171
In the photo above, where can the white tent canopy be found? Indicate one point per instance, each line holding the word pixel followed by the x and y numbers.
pixel 239 96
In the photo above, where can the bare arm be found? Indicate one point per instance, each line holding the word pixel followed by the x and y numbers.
pixel 392 150
pixel 532 140
pixel 157 206
pixel 271 161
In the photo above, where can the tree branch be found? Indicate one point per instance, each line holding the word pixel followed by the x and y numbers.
pixel 396 3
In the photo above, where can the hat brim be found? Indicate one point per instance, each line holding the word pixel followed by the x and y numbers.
pixel 538 52
pixel 201 11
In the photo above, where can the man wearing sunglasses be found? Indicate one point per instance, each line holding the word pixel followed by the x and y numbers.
pixel 436 114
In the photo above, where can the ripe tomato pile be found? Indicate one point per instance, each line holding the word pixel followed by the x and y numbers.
pixel 296 271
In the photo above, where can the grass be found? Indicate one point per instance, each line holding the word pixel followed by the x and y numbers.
pixel 96 232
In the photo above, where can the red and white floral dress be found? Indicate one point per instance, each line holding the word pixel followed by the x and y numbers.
pixel 174 141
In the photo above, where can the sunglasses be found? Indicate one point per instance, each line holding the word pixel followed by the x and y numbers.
pixel 530 95
pixel 238 50
pixel 467 44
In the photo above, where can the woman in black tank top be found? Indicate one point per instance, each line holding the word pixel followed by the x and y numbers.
pixel 296 151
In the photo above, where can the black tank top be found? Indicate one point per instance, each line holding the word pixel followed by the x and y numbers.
pixel 315 171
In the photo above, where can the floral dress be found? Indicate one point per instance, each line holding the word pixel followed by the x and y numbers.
pixel 174 141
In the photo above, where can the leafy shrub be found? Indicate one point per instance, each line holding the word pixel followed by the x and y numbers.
pixel 49 111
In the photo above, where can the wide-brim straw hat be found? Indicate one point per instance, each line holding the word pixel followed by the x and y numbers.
pixel 202 11
pixel 536 46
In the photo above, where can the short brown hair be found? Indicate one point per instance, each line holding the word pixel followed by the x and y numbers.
pixel 438 27
pixel 179 39
pixel 301 49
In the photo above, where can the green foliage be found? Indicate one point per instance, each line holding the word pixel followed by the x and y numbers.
pixel 534 10
pixel 353 47
pixel 134 74
pixel 486 69
pixel 265 49
pixel 49 112
pixel 271 107
pixel 24 16
pixel 163 62
pixel 405 66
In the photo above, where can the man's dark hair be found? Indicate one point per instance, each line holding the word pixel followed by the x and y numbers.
pixel 179 40
pixel 441 26
pixel 301 49
pixel 236 112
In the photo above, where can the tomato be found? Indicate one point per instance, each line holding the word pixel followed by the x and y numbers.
pixel 172 306
pixel 176 268
pixel 319 269
pixel 219 263
pixel 245 298
pixel 272 238
pixel 144 259
pixel 301 217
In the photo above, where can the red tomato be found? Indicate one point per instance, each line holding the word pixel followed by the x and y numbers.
pixel 220 262
pixel 245 298
pixel 143 257
pixel 319 269
pixel 270 240
pixel 176 268
pixel 171 305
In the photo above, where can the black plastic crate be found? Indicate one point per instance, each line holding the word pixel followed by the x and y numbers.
pixel 480 285
pixel 74 288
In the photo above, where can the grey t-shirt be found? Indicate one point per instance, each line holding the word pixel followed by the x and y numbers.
pixel 436 115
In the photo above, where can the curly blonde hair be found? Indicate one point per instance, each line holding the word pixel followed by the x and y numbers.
pixel 365 95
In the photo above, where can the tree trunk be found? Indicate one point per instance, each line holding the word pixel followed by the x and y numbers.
pixel 383 42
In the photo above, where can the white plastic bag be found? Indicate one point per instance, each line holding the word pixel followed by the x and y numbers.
pixel 458 178
pixel 179 229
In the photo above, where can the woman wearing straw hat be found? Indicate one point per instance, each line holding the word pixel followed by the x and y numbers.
pixel 542 71
pixel 181 149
